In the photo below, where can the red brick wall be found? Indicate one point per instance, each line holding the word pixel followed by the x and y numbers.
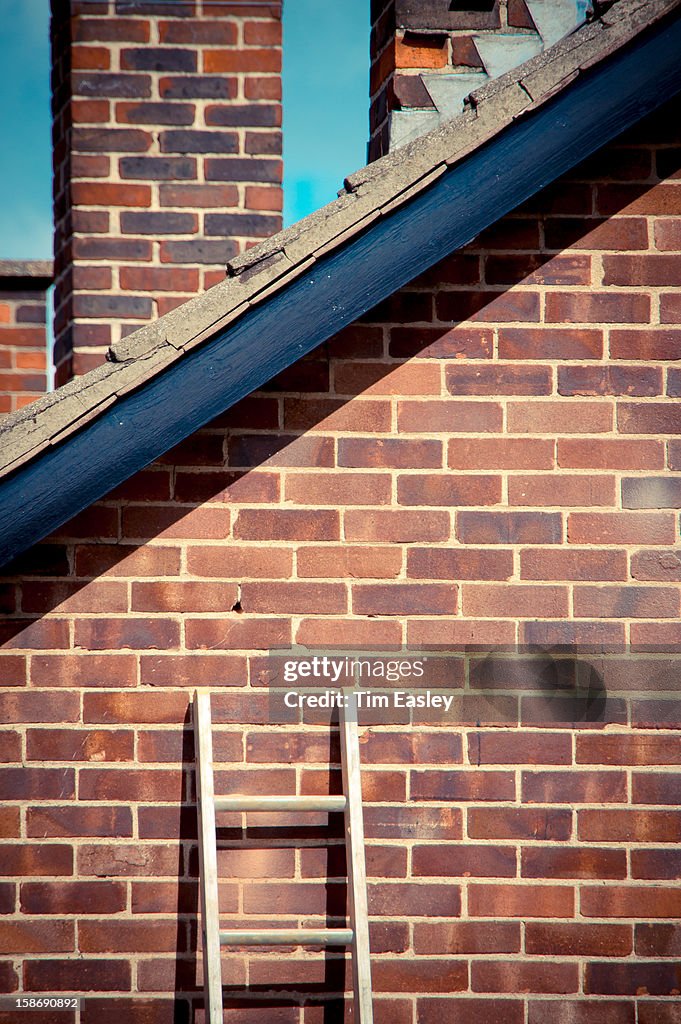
pixel 167 158
pixel 489 456
pixel 23 334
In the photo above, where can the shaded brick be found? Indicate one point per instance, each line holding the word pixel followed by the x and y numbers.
pixel 663 565
pixel 514 600
pixel 500 453
pixel 198 195
pixel 550 343
pixel 449 417
pixel 293 597
pixel 471 563
pixel 572 417
pixel 129 859
pixel 577 939
pixel 544 490
pixel 390 899
pixel 625 748
pixel 396 453
pixel 616 453
pixel 396 526
pixel 105 897
pixel 509 527
pixel 554 823
pixel 579 564
pixel 536 748
pixel 201 250
pixel 135 633
pixel 620 528
pixel 386 822
pixel 658 939
pixel 80 975
pixel 186 141
pixel 463 861
pixel 440 343
pixel 111 140
pixel 158 223
pixel 258 633
pixel 507 900
pixel 111 30
pixel 573 862
pixel 489 307
pixel 583 1011
pixel 335 489
pixel 497 380
pixel 585 307
pixel 663 1012
pixel 645 343
pixel 151 58
pixel 119 306
pixel 448 490
pixel 626 601
pixel 157 168
pixel 35 936
pixel 568 268
pixel 79 821
pixel 111 85
pixel 286 524
pixel 365 416
pixel 640 270
pixel 207 87
pixel 655 788
pixel 242 169
pixel 524 976
pixel 404 599
pixel 630 825
pixel 419 976
pixel 466 936
pixel 618 233
pixel 631 979
pixel 641 381
pixel 649 418
pixel 39 859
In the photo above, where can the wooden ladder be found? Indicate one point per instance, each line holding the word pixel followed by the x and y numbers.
pixel 357 936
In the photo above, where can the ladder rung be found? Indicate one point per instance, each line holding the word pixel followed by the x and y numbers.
pixel 288 937
pixel 280 803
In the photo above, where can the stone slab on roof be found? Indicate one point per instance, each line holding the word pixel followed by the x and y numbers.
pixel 26 273
pixel 369 194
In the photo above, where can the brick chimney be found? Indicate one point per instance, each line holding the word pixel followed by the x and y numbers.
pixel 167 157
pixel 23 332
pixel 428 55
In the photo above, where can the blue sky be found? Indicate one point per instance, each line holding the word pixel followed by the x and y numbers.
pixel 326 101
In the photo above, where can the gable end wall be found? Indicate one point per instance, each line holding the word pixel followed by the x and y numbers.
pixel 491 456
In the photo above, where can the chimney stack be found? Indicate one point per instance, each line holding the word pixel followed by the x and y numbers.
pixel 167 157
pixel 428 55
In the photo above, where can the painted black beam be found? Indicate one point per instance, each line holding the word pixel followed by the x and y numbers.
pixel 528 155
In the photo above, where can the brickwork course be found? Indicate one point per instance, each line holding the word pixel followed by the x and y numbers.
pixel 23 331
pixel 488 457
pixel 167 158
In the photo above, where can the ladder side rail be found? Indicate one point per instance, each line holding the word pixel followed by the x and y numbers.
pixel 356 867
pixel 208 866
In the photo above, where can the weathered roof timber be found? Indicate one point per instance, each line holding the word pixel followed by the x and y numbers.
pixel 400 184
